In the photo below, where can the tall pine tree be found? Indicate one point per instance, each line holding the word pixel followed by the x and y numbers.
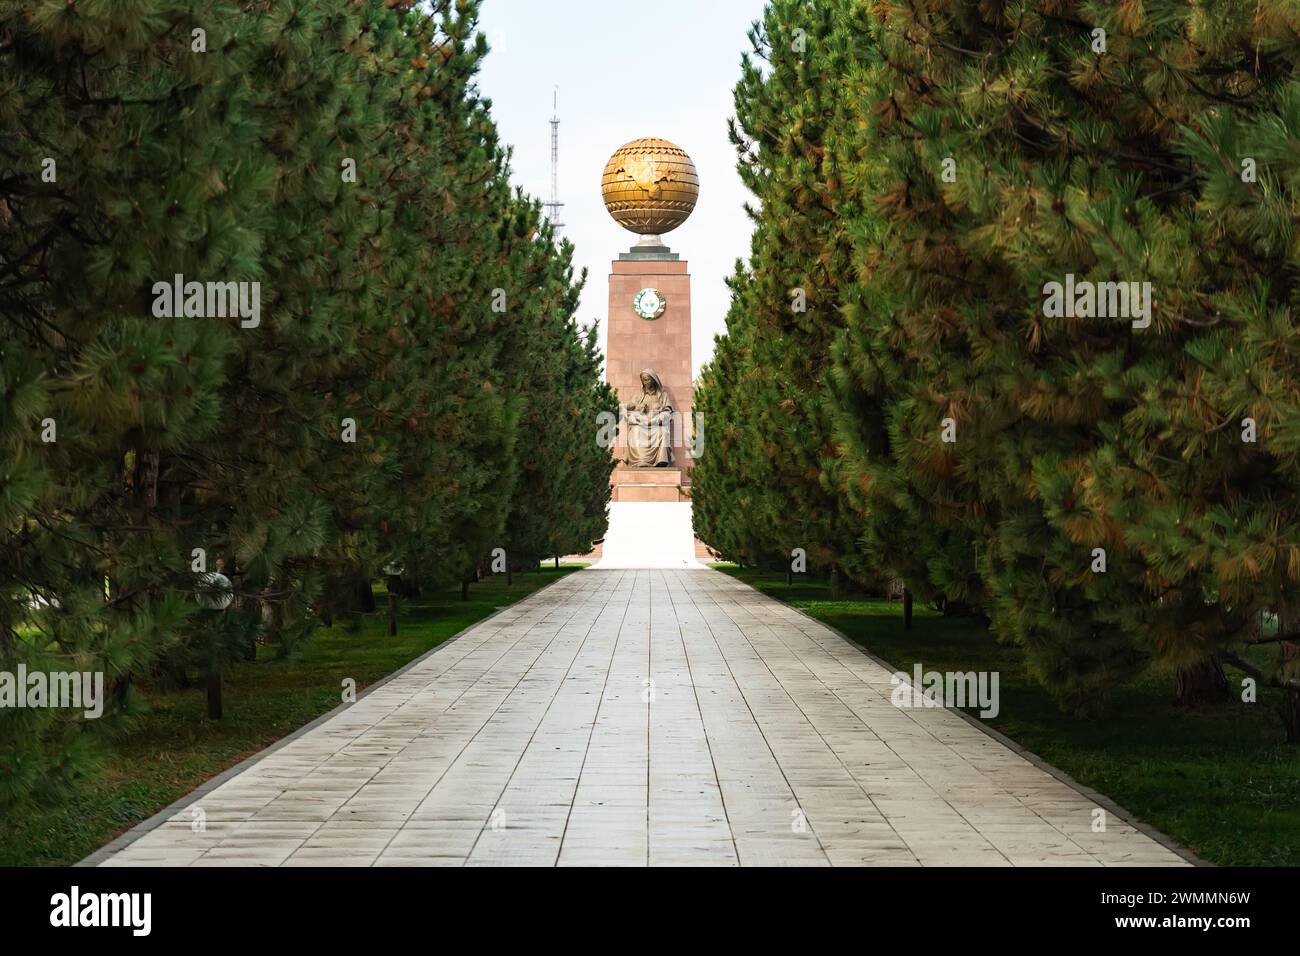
pixel 776 430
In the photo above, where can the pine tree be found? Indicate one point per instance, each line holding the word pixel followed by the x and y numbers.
pixel 731 473
pixel 96 150
pixel 562 493
pixel 788 118
pixel 581 518
pixel 1027 145
pixel 339 156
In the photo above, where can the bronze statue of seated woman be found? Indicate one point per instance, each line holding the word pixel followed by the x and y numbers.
pixel 649 441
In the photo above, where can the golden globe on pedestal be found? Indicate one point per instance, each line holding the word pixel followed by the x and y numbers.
pixel 650 186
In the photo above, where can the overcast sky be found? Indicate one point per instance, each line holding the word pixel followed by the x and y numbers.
pixel 624 70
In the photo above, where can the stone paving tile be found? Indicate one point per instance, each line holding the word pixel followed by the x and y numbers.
pixel 634 717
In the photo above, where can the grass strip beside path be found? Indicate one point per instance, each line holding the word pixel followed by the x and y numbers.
pixel 1219 780
pixel 163 754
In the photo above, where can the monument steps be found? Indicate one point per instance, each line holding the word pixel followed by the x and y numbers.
pixel 649 493
pixel 649 484
pixel 648 476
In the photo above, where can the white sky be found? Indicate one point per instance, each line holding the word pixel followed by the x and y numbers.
pixel 624 70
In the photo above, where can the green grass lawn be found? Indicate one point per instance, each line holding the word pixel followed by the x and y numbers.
pixel 1221 781
pixel 173 747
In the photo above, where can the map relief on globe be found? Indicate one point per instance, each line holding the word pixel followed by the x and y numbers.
pixel 650 186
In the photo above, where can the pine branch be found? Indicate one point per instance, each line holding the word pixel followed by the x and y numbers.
pixel 1269 680
pixel 1292 637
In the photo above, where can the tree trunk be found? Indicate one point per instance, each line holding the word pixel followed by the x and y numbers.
pixel 510 575
pixel 1289 710
pixel 214 692
pixel 121 690
pixel 1202 684
pixel 557 562
pixel 464 590
pixel 272 616
pixel 789 578
pixel 394 584
pixel 365 595
pixel 1290 707
pixel 835 584
pixel 145 480
pixel 907 609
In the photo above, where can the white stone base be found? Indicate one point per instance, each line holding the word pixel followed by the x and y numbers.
pixel 649 534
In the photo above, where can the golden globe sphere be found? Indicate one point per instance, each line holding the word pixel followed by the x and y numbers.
pixel 650 186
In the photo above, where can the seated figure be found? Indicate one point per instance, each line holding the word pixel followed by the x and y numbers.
pixel 649 442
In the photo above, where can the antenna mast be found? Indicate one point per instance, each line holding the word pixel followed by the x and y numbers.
pixel 553 207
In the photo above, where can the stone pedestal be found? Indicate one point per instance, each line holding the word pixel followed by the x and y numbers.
pixel 639 535
pixel 649 484
pixel 662 344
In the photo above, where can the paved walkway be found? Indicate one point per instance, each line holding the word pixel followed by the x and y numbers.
pixel 634 717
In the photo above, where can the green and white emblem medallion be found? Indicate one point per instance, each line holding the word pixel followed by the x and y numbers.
pixel 649 304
